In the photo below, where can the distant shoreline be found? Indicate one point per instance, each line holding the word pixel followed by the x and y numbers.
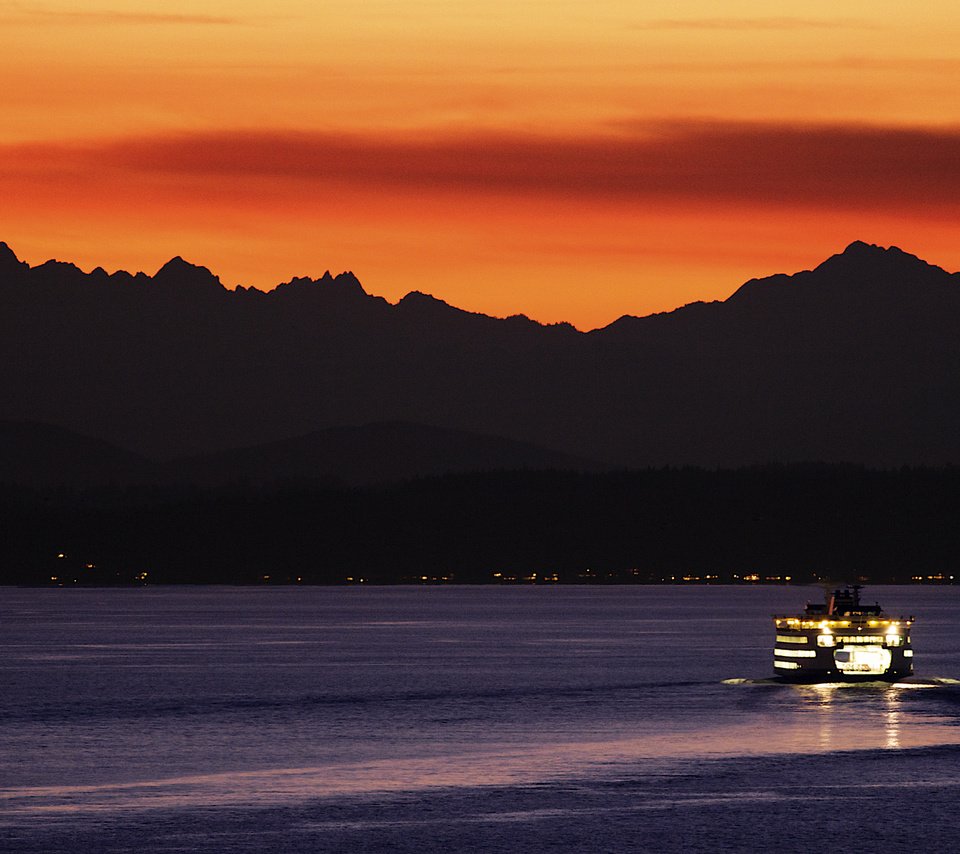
pixel 766 524
pixel 485 584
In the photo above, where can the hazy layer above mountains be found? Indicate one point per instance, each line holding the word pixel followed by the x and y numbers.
pixel 857 360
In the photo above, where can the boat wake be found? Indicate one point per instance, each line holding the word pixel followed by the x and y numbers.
pixel 907 683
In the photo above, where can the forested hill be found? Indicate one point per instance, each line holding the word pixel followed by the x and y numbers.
pixel 844 523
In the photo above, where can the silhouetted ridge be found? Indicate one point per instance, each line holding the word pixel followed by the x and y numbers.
pixel 39 455
pixel 344 287
pixel 372 453
pixel 181 275
pixel 419 301
pixel 43 455
pixel 865 261
pixel 59 271
pixel 423 308
pixel 862 274
pixel 346 281
pixel 857 360
pixel 10 264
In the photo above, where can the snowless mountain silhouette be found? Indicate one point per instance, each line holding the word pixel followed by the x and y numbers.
pixel 857 360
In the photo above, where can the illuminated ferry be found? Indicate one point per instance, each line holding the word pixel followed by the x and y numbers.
pixel 843 640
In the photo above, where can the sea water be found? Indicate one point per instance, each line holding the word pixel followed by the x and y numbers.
pixel 291 719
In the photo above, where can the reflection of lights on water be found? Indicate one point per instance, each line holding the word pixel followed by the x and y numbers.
pixel 824 691
pixel 824 696
pixel 891 719
pixel 825 702
pixel 830 717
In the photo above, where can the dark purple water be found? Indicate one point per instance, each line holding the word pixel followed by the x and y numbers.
pixel 481 719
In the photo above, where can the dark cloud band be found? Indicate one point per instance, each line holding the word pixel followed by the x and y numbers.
pixel 771 164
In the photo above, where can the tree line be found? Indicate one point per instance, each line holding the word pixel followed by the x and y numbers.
pixel 802 522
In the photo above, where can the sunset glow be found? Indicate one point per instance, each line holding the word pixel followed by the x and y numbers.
pixel 568 161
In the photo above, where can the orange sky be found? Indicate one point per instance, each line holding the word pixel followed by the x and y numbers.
pixel 567 160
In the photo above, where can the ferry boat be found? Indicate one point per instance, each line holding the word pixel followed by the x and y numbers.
pixel 842 640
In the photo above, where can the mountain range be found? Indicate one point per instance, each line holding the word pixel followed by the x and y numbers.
pixel 43 455
pixel 857 360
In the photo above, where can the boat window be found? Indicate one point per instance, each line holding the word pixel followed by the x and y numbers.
pixel 796 653
pixel 864 660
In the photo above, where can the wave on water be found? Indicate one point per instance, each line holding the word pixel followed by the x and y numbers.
pixel 907 683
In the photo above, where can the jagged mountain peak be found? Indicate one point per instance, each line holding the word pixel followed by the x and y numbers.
pixel 347 279
pixel 869 260
pixel 418 303
pixel 8 258
pixel 854 360
pixel 415 298
pixel 423 307
pixel 180 273
pixel 862 272
pixel 345 283
pixel 10 265
pixel 861 248
pixel 59 266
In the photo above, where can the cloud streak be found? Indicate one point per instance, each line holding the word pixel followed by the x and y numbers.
pixel 28 13
pixel 764 23
pixel 838 166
